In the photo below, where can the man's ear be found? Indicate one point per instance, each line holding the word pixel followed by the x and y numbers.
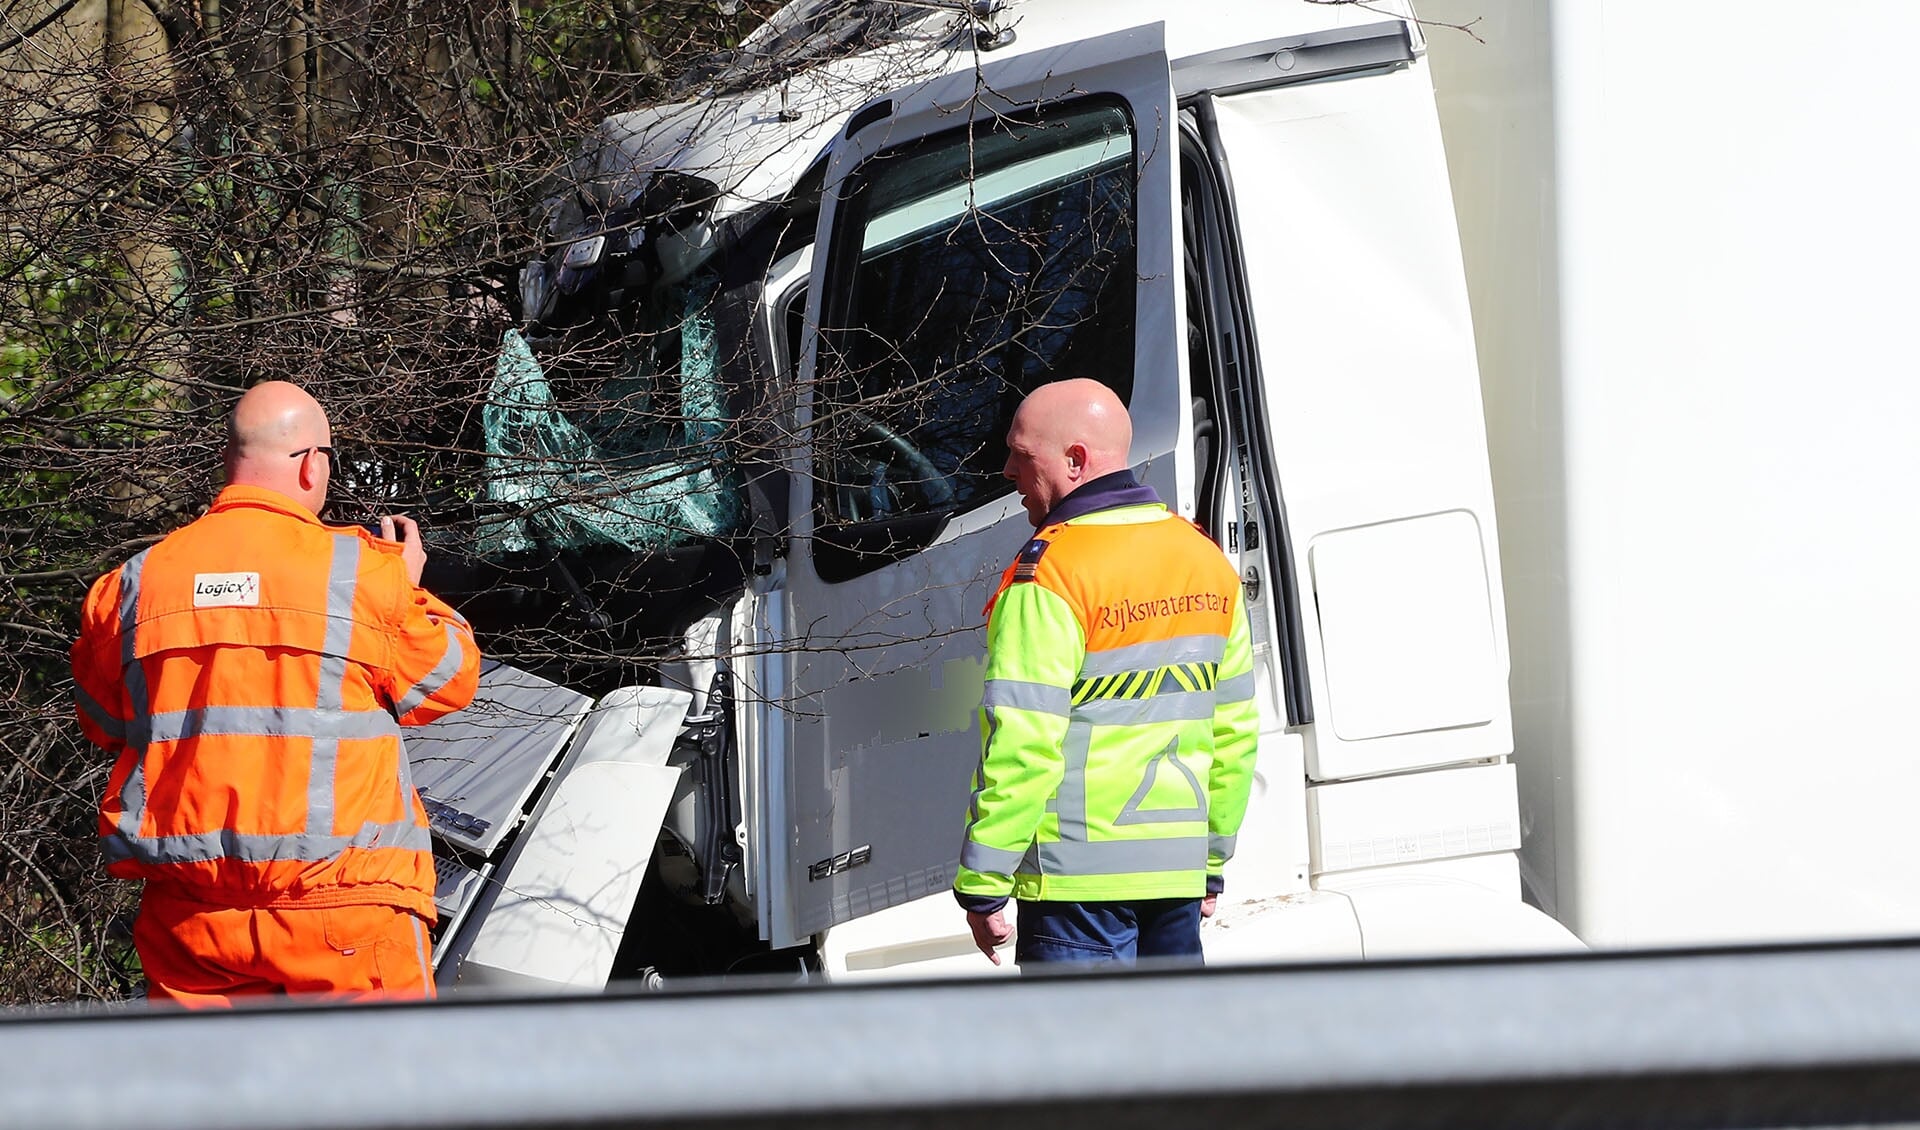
pixel 309 470
pixel 1076 459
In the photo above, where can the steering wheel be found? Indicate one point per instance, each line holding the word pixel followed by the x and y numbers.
pixel 935 486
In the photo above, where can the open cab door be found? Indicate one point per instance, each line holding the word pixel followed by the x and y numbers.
pixel 979 235
pixel 1326 189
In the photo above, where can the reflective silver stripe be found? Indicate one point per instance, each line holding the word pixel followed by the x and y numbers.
pixel 1030 862
pixel 1070 799
pixel 1160 653
pixel 409 799
pixel 989 860
pixel 272 722
pixel 133 792
pixel 442 673
pixel 992 727
pixel 206 847
pixel 1222 846
pixel 1237 689
pixel 1125 857
pixel 113 727
pixel 1186 706
pixel 420 949
pixel 1131 812
pixel 1044 698
pixel 322 779
pixel 343 578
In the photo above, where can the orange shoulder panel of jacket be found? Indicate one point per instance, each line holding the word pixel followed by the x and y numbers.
pixel 1024 565
pixel 1142 582
pixel 245 575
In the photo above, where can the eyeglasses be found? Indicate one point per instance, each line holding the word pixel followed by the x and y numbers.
pixel 320 447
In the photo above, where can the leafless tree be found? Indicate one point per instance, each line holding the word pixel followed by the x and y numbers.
pixel 195 196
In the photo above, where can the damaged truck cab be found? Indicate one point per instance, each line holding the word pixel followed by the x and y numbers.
pixel 774 352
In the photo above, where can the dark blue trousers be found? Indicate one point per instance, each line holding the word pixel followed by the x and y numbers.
pixel 1108 931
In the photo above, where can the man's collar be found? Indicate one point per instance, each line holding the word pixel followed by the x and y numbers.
pixel 264 499
pixel 1104 493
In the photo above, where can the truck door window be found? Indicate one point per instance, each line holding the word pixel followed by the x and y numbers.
pixel 982 263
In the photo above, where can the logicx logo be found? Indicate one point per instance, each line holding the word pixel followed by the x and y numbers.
pixel 213 590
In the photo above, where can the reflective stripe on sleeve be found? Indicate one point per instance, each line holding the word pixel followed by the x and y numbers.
pixel 442 673
pixel 989 726
pixel 1043 698
pixel 112 726
pixel 133 791
pixel 989 860
pixel 1240 688
pixel 1222 846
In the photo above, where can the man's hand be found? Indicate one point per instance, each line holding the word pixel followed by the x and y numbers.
pixel 989 932
pixel 1207 905
pixel 406 531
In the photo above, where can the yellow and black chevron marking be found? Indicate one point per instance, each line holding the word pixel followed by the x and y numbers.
pixel 1145 684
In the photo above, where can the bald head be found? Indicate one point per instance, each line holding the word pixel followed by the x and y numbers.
pixel 272 421
pixel 1065 434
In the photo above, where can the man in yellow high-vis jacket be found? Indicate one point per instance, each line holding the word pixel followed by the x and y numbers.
pixel 1118 724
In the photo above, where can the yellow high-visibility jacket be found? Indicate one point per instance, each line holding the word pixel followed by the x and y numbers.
pixel 1119 727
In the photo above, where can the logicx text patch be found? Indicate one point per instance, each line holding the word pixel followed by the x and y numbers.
pixel 213 589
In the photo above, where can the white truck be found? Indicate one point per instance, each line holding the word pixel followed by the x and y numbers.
pixel 757 408
pixel 1691 281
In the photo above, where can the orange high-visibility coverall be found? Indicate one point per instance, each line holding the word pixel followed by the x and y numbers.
pixel 251 673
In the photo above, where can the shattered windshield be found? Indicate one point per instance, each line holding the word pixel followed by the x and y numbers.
pixel 611 436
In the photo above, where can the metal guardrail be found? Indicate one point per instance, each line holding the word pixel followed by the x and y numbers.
pixel 1817 1035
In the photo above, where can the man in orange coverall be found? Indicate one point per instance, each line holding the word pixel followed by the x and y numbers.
pixel 250 674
